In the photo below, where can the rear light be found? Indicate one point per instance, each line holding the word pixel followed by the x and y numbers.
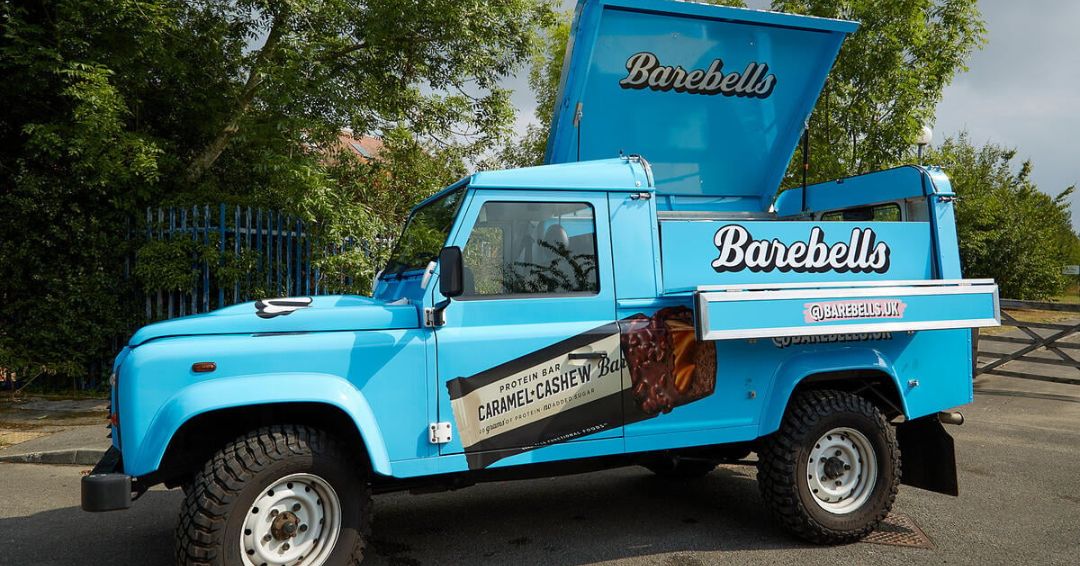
pixel 114 407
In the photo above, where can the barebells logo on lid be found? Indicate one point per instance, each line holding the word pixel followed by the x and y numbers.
pixel 645 71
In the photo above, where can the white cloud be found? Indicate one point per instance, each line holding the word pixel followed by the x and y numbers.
pixel 1023 89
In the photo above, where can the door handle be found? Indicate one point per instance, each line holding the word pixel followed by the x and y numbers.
pixel 587 356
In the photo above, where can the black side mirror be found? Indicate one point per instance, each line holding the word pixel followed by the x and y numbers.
pixel 451 272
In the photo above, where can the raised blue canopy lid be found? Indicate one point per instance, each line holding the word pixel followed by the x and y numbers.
pixel 715 98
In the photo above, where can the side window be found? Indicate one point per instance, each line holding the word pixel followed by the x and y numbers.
pixel 524 248
pixel 878 213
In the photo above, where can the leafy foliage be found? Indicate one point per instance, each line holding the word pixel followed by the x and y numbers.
pixel 71 168
pixel 169 265
pixel 544 75
pixel 1008 229
pixel 425 233
pixel 563 271
pixel 887 80
pixel 110 107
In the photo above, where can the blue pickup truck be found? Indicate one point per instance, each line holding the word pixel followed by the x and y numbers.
pixel 647 298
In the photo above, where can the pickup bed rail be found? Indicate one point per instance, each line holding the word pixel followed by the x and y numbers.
pixel 730 312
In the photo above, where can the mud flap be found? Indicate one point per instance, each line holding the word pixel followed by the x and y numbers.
pixel 928 455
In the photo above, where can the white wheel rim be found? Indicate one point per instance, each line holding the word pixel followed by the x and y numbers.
pixel 295 521
pixel 842 470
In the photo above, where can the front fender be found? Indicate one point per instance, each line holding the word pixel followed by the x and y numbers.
pixel 795 369
pixel 260 389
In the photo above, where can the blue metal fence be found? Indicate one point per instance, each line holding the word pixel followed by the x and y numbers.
pixel 274 251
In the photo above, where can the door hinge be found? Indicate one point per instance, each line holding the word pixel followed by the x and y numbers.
pixel 434 317
pixel 439 433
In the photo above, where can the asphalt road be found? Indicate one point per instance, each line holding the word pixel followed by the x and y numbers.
pixel 1019 457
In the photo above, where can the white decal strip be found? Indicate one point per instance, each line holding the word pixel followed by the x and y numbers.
pixel 538 392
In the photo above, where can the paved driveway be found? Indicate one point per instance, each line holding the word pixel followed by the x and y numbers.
pixel 1019 459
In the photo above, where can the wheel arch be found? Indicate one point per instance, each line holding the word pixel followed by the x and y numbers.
pixel 864 371
pixel 200 419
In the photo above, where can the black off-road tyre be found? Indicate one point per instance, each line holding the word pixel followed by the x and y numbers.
pixel 783 460
pixel 212 514
pixel 676 468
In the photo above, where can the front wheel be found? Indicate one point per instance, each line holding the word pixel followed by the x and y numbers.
pixel 830 474
pixel 278 495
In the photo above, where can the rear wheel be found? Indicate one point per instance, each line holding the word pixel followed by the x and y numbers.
pixel 830 474
pixel 279 495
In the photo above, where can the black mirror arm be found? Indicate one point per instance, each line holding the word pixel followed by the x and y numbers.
pixel 436 315
pixel 450 285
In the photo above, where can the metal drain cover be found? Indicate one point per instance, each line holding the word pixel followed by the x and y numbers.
pixel 899 530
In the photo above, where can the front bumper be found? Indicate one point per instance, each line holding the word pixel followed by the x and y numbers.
pixel 107 488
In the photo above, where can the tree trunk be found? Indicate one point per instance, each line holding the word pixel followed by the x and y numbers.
pixel 210 153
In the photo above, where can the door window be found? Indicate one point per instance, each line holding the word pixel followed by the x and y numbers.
pixel 532 248
pixel 877 213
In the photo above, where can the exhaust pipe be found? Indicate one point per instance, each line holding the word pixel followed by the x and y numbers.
pixel 951 417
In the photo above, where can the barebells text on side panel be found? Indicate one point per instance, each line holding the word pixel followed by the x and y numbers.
pixel 738 251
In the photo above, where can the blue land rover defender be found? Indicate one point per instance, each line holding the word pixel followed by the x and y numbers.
pixel 645 298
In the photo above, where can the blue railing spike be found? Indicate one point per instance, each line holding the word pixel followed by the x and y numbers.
pixel 283 254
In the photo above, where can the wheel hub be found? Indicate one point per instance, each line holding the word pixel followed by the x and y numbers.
pixel 284 526
pixel 842 470
pixel 295 521
pixel 834 467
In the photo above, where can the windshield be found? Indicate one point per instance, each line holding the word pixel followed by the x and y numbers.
pixel 424 234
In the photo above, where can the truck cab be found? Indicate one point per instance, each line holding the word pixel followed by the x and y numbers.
pixel 647 297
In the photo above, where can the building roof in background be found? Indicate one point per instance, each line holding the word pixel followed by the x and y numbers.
pixel 366 148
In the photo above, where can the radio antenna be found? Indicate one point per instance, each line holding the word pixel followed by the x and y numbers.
pixel 577 127
pixel 805 161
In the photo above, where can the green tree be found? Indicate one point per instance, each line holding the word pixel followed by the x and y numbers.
pixel 1008 229
pixel 431 66
pixel 71 169
pixel 109 107
pixel 381 192
pixel 887 80
pixel 544 74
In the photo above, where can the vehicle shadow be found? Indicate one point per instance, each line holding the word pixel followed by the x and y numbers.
pixel 617 514
pixel 578 519
pixel 142 535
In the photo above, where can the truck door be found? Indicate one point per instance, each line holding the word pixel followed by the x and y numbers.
pixel 528 358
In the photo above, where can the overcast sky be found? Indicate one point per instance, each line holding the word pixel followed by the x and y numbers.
pixel 1022 89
